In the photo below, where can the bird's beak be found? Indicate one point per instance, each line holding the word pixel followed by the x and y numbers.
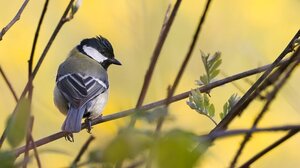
pixel 115 61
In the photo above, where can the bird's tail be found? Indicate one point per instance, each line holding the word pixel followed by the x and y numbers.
pixel 72 122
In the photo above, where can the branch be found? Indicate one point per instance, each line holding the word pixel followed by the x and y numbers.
pixel 184 63
pixel 14 20
pixel 270 99
pixel 176 98
pixel 230 133
pixel 29 130
pixel 82 150
pixel 161 40
pixel 36 154
pixel 9 85
pixel 236 110
pixel 30 61
pixel 269 148
pixel 62 21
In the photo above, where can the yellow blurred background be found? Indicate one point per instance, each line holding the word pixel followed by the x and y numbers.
pixel 248 33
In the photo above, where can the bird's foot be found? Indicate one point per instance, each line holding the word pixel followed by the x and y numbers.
pixel 88 123
pixel 69 137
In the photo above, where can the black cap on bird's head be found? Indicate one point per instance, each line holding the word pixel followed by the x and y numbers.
pixel 99 49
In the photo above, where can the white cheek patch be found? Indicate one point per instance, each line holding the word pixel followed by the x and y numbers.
pixel 90 51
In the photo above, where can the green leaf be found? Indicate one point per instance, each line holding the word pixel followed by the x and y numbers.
pixel 229 104
pixel 200 102
pixel 127 144
pixel 17 125
pixel 211 65
pixel 215 65
pixel 211 110
pixel 214 74
pixel 7 159
pixel 204 79
pixel 174 150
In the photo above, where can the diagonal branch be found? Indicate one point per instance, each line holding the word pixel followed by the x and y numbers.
pixel 36 154
pixel 271 96
pixel 36 36
pixel 269 148
pixel 14 20
pixel 9 85
pixel 161 40
pixel 185 62
pixel 245 100
pixel 82 150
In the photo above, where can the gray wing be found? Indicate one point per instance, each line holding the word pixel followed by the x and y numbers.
pixel 78 89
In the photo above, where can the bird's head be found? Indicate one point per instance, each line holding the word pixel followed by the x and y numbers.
pixel 99 49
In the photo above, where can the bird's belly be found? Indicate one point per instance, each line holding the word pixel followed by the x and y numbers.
pixel 96 105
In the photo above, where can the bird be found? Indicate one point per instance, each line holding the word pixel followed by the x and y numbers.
pixel 82 85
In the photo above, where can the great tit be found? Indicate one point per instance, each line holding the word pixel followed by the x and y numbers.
pixel 81 89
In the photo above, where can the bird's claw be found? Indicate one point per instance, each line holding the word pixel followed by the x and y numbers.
pixel 69 137
pixel 88 123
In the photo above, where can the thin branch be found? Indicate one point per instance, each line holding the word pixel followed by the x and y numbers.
pixel 161 40
pixel 269 148
pixel 270 99
pixel 36 154
pixel 82 150
pixel 149 106
pixel 185 62
pixel 62 21
pixel 235 132
pixel 30 61
pixel 14 20
pixel 236 110
pixel 9 85
pixel 29 130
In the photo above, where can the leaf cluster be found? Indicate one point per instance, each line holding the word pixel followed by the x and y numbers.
pixel 132 143
pixel 200 102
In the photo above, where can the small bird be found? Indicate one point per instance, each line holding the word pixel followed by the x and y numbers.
pixel 81 89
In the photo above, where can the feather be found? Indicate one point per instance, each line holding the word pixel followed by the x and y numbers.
pixel 72 122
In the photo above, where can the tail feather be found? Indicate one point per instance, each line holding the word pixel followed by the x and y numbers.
pixel 72 122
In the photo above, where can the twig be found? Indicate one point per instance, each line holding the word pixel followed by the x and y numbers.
pixel 236 110
pixel 178 97
pixel 235 132
pixel 29 130
pixel 9 85
pixel 162 37
pixel 269 148
pixel 36 154
pixel 62 21
pixel 82 150
pixel 185 62
pixel 14 20
pixel 30 61
pixel 271 97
